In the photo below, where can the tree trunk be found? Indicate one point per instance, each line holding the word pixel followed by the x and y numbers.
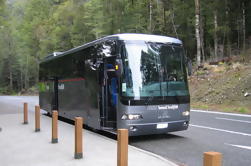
pixel 223 43
pixel 174 27
pixel 215 35
pixel 202 40
pixel 244 25
pixel 238 35
pixel 10 61
pixel 150 16
pixel 26 77
pixel 224 31
pixel 10 78
pixel 37 68
pixel 164 16
pixel 21 79
pixel 197 30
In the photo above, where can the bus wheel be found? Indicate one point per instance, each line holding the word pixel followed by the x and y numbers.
pixel 48 114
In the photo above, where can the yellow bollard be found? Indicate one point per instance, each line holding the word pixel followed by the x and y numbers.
pixel 37 118
pixel 212 159
pixel 25 113
pixel 78 138
pixel 54 138
pixel 122 147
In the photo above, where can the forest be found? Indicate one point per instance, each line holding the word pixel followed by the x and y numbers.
pixel 32 29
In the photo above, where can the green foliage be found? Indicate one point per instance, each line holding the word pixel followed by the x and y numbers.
pixel 202 106
pixel 31 29
pixel 200 72
pixel 242 110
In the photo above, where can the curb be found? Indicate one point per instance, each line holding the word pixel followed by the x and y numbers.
pixel 138 149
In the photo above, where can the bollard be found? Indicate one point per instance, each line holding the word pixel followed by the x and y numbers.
pixel 78 138
pixel 54 127
pixel 25 113
pixel 122 147
pixel 37 118
pixel 212 159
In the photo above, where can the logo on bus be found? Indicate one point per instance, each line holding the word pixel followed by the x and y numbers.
pixel 165 107
pixel 61 86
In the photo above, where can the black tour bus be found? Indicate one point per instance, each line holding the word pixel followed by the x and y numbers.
pixel 133 81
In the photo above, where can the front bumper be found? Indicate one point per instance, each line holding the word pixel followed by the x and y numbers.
pixel 153 128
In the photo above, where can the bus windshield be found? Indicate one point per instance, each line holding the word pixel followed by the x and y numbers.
pixel 153 70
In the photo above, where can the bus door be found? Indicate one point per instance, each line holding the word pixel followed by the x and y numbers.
pixel 109 92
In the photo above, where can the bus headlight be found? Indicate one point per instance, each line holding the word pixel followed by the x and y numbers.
pixel 186 113
pixel 131 117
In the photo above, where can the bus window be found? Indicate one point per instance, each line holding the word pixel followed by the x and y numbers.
pixel 153 69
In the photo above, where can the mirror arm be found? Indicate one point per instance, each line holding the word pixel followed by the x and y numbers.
pixel 189 65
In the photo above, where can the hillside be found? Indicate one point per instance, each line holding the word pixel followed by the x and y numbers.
pixel 223 87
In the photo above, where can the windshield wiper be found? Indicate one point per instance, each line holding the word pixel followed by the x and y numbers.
pixel 149 99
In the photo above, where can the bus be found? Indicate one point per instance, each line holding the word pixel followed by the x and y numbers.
pixel 133 81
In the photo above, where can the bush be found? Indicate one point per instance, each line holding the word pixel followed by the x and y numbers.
pixel 3 90
pixel 241 110
pixel 6 91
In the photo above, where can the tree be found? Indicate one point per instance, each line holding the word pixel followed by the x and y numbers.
pixel 197 30
pixel 244 25
pixel 31 29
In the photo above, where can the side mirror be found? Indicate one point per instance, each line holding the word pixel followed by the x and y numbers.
pixel 93 64
pixel 189 67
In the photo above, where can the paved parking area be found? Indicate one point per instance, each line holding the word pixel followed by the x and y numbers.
pixel 20 145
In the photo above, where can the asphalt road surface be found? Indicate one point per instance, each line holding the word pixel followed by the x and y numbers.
pixel 229 134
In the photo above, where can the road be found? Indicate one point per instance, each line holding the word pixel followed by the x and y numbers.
pixel 229 134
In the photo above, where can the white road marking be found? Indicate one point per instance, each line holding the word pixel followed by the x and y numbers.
pixel 235 120
pixel 222 113
pixel 227 131
pixel 240 146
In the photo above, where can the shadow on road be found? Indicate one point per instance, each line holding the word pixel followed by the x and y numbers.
pixel 158 137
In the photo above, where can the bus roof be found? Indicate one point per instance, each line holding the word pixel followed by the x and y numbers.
pixel 124 36
pixel 147 37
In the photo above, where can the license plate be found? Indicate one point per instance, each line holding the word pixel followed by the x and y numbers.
pixel 162 125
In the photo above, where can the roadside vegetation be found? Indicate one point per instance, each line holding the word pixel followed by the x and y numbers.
pixel 210 30
pixel 225 86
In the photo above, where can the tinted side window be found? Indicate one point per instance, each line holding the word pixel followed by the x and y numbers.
pixel 79 64
pixel 73 65
pixel 92 52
